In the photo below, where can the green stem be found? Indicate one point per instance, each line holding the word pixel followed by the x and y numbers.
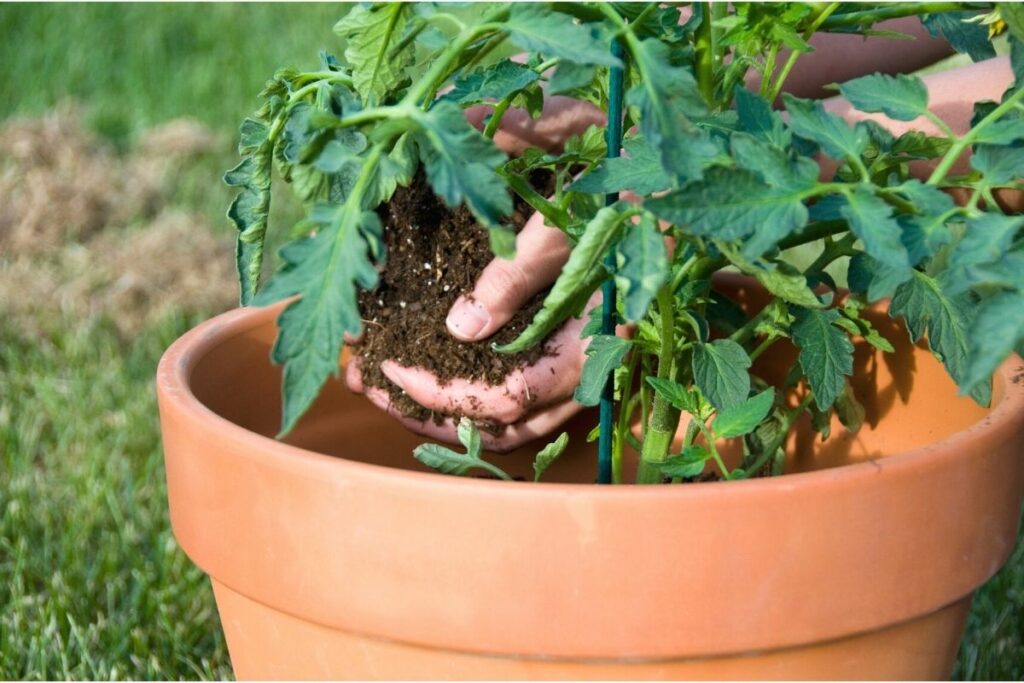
pixel 961 145
pixel 704 46
pixel 495 120
pixel 940 124
pixel 765 344
pixel 895 11
pixel 710 438
pixel 795 54
pixel 664 416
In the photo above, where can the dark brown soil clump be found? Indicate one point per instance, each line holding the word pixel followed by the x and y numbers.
pixel 434 255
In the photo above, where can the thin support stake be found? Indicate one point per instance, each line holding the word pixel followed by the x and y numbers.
pixel 613 138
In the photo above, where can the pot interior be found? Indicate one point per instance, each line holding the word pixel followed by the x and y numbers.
pixel 908 398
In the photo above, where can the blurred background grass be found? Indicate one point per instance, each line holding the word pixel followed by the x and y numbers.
pixel 92 584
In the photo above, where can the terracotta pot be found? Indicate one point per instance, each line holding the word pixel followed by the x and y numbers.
pixel 333 555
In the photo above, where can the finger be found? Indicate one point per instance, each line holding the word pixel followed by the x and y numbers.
pixel 539 424
pixel 354 375
pixel 504 403
pixel 505 285
pixel 534 427
pixel 561 118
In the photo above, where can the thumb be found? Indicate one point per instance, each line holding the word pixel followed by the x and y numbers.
pixel 505 285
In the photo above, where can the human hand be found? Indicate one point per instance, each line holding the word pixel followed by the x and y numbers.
pixel 534 399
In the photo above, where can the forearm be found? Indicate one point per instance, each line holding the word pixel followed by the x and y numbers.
pixel 840 57
pixel 951 96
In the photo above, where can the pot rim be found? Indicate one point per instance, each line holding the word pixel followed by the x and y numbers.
pixel 180 359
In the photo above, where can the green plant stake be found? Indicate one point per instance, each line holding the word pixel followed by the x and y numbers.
pixel 613 137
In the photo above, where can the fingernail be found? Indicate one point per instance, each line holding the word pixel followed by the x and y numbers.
pixel 467 319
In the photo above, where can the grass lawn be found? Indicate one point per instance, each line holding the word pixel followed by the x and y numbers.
pixel 92 584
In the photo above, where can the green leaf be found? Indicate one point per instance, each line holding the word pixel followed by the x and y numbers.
pixel 1002 132
pixel 999 165
pixel 782 280
pixel 826 353
pixel 370 29
pixel 720 371
pixel 899 97
pixel 743 417
pixel 668 98
pixel 641 266
pixel 604 353
pixel 998 329
pixel 808 119
pixel 549 454
pixel 849 410
pixel 250 210
pixel 944 319
pixel 494 82
pixel 730 204
pixel 1013 14
pixel 680 397
pixel 324 271
pixel 969 38
pixel 759 119
pixel 776 167
pixel 639 172
pixel 986 238
pixel 876 280
pixel 689 463
pixel 582 275
pixel 538 29
pixel 447 461
pixel 569 77
pixel 460 163
pixel 871 220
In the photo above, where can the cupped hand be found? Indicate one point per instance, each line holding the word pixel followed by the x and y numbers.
pixel 535 399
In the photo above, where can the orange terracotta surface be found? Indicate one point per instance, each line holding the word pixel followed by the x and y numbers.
pixel 334 555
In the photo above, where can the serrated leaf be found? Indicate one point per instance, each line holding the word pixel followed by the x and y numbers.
pixel 730 204
pixel 871 220
pixel 447 461
pixel 582 275
pixel 250 209
pixel 372 30
pixel 808 119
pixel 876 280
pixel 460 163
pixel 549 454
pixel 900 97
pixel 680 397
pixel 324 271
pixel 639 172
pixel 849 410
pixel 569 76
pixel 997 330
pixel 604 353
pixel 758 118
pixel 775 167
pixel 494 82
pixel 743 417
pixel 944 319
pixel 826 353
pixel 999 165
pixel 641 266
pixel 538 29
pixel 986 238
pixel 963 36
pixel 668 98
pixel 1013 15
pixel 1002 132
pixel 720 371
pixel 689 463
pixel 252 134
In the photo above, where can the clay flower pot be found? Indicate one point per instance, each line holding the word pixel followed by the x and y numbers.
pixel 333 555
